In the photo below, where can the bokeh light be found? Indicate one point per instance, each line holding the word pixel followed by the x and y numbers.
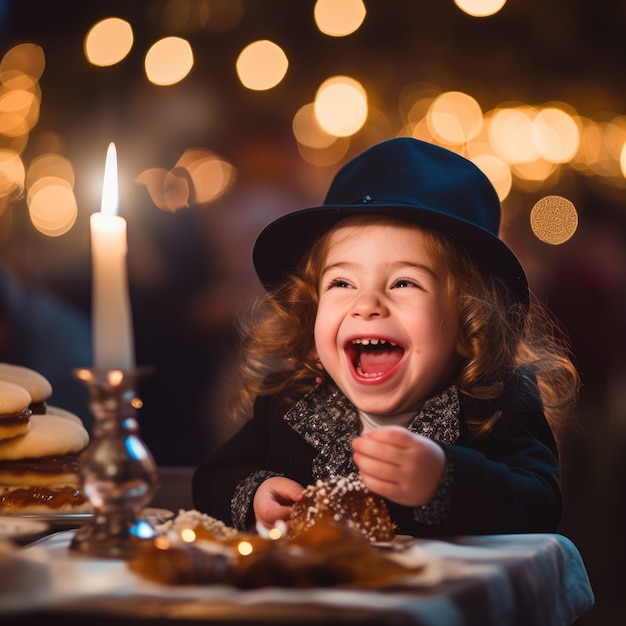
pixel 210 176
pixel 497 171
pixel 327 156
pixel 615 136
pixel 198 177
pixel 19 111
pixel 455 118
pixel 556 135
pixel 245 548
pixel 339 18
pixel 480 8
pixel 188 535
pixel 532 175
pixel 108 42
pixel 50 165
pixel 341 106
pixel 554 219
pixel 274 533
pixel 52 206
pixel 590 145
pixel 25 58
pixel 307 130
pixel 168 61
pixel 49 184
pixel 519 145
pixel 511 134
pixel 261 65
pixel 20 95
pixel 12 174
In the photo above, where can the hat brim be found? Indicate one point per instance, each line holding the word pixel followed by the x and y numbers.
pixel 283 243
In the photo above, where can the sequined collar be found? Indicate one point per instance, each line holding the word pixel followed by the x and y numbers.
pixel 329 422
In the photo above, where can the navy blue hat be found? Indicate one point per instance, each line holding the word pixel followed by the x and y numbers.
pixel 404 178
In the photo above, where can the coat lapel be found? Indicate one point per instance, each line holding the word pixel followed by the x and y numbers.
pixel 329 422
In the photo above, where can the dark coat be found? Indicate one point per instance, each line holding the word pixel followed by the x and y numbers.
pixel 506 482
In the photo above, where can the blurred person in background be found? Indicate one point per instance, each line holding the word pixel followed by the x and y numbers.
pixel 41 331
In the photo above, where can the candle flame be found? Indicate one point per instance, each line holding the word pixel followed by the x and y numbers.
pixel 110 195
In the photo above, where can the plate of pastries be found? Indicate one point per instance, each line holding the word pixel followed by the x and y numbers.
pixel 40 458
pixel 40 448
pixel 339 535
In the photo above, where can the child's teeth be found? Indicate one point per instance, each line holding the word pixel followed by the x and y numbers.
pixel 373 342
pixel 368 375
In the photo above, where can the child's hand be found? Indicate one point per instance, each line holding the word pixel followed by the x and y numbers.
pixel 273 499
pixel 399 465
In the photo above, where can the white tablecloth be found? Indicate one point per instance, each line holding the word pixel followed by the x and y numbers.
pixel 506 579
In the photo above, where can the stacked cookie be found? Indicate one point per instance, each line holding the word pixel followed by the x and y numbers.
pixel 14 410
pixel 40 447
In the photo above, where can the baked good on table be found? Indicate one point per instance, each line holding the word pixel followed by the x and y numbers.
pixel 347 500
pixel 14 410
pixel 181 563
pixel 39 471
pixel 37 385
pixel 203 526
pixel 326 554
pixel 59 412
pixel 329 542
pixel 197 549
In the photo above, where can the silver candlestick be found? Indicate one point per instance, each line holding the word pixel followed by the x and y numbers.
pixel 118 473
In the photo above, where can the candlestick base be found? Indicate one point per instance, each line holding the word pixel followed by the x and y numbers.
pixel 118 473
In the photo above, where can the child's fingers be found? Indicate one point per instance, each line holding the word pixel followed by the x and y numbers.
pixel 288 493
pixel 383 474
pixel 380 448
pixel 385 467
pixel 392 435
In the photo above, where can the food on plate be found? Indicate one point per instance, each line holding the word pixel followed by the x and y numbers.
pixel 346 500
pixel 326 554
pixel 197 549
pixel 14 410
pixel 181 563
pixel 37 385
pixel 39 471
pixel 203 526
pixel 191 548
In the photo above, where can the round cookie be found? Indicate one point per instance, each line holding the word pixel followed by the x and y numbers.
pixel 45 472
pixel 39 471
pixel 59 412
pixel 49 435
pixel 37 385
pixel 14 412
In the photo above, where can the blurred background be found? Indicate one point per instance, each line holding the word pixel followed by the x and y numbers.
pixel 227 113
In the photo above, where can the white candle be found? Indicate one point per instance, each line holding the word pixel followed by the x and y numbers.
pixel 111 314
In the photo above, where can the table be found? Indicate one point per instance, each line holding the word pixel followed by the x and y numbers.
pixel 502 579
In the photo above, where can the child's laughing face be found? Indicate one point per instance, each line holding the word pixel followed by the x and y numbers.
pixel 385 331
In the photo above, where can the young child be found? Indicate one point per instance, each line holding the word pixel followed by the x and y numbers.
pixel 397 340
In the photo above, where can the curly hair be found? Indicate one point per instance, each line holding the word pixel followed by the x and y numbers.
pixel 496 334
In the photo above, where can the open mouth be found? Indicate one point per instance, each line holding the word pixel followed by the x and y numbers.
pixel 372 357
